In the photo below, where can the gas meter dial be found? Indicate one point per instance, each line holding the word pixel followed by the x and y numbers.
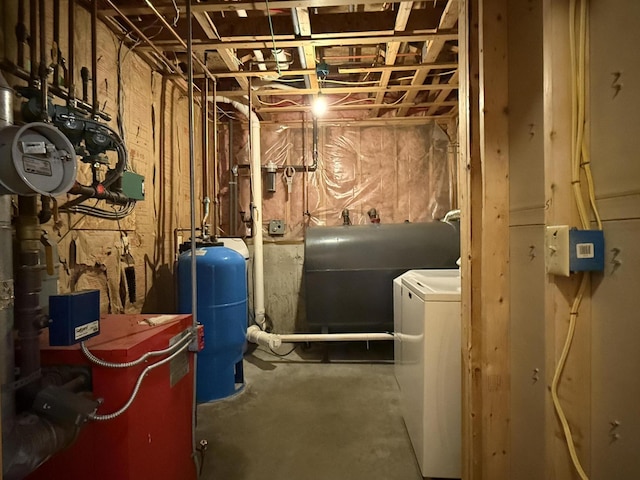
pixel 36 158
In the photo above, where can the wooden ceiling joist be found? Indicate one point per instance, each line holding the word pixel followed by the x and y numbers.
pixel 342 69
pixel 235 6
pixel 433 49
pixel 398 68
pixel 392 51
pixel 367 45
pixel 382 106
pixel 308 54
pixel 338 90
pixel 442 35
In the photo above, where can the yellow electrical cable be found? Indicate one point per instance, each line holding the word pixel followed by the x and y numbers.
pixel 574 96
pixel 579 158
pixel 556 377
pixel 577 113
pixel 592 193
pixel 585 162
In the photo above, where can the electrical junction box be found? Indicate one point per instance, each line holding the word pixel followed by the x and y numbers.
pixel 572 250
pixel 586 250
pixel 133 185
pixel 556 250
pixel 276 227
pixel 75 317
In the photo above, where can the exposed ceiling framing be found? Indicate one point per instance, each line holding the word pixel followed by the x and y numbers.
pixel 371 60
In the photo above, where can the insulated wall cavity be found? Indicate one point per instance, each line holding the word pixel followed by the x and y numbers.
pixel 404 172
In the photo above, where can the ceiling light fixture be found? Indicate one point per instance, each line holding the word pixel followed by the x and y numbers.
pixel 319 106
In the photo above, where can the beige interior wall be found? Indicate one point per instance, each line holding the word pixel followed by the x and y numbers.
pixel 401 171
pixel 605 424
pixel 614 74
pixel 526 192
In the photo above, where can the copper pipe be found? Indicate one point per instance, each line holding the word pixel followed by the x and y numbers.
pixel 205 139
pixel 94 57
pixel 57 91
pixel 33 48
pixel 55 49
pixel 21 33
pixel 43 67
pixel 72 51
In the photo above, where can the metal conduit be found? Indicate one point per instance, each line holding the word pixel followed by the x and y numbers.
pixel 140 34
pixel 72 42
pixel 192 192
pixel 233 187
pixel 187 46
pixel 94 57
pixel 216 216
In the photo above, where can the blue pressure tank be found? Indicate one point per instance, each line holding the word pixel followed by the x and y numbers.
pixel 222 309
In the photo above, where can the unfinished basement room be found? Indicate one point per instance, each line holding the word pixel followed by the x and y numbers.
pixel 319 240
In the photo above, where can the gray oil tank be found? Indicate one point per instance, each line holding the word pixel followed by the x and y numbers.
pixel 349 270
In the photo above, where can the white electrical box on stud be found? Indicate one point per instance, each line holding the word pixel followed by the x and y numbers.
pixel 556 250
pixel 570 250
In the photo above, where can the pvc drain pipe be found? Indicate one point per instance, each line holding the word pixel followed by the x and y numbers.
pixel 273 340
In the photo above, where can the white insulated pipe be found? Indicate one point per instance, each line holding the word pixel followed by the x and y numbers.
pixel 260 337
pixel 273 340
pixel 334 337
pixel 256 180
pixel 451 215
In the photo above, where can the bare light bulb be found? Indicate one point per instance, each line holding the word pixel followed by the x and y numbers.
pixel 319 106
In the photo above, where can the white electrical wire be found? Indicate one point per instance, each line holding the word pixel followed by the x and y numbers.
pixel 136 388
pixel 177 17
pixel 354 82
pixel 442 74
pixel 276 104
pixel 354 101
pixel 156 353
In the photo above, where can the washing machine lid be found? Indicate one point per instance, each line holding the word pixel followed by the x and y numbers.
pixel 434 285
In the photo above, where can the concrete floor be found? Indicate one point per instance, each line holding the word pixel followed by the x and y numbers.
pixel 299 418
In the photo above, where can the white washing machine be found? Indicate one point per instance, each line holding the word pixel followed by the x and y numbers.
pixel 428 366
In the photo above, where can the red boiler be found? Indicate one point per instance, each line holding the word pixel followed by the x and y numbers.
pixel 150 440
